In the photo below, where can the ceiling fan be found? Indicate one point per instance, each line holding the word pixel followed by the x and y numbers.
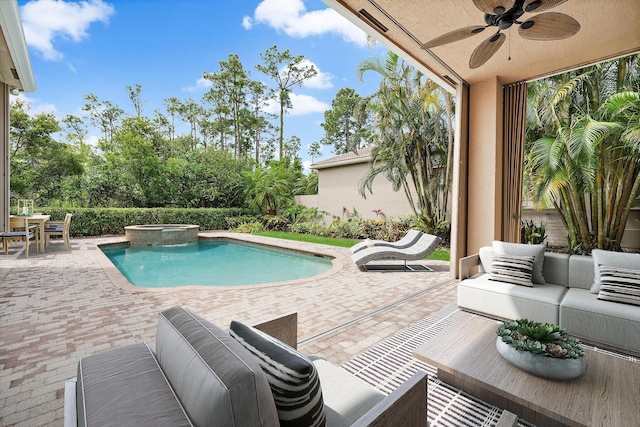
pixel 503 14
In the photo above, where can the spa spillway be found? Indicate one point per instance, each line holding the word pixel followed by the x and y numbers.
pixel 161 234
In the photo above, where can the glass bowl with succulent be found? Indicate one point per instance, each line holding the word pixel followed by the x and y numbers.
pixel 542 349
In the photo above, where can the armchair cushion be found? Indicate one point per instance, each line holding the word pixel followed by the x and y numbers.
pixel 125 386
pixel 293 377
pixel 217 380
pixel 347 397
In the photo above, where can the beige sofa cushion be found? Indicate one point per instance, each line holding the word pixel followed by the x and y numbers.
pixel 583 315
pixel 508 301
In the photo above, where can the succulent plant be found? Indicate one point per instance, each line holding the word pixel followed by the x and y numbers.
pixel 544 339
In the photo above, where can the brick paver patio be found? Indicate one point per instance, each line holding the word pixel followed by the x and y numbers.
pixel 61 305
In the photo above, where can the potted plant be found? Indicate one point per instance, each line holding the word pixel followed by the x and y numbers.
pixel 542 349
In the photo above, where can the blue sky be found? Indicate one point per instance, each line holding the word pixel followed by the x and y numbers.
pixel 101 46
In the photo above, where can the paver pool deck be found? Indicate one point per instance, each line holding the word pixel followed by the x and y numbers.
pixel 61 305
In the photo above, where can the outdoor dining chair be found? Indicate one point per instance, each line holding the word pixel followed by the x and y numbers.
pixel 59 228
pixel 20 231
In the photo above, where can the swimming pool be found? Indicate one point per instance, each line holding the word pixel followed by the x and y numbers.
pixel 211 262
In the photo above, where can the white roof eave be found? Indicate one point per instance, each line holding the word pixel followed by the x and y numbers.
pixel 17 44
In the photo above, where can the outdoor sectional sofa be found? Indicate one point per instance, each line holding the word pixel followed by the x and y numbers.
pixel 564 292
pixel 201 375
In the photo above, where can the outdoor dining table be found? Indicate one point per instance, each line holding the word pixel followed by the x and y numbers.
pixel 41 221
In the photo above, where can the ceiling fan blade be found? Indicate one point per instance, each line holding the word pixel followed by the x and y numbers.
pixel 541 5
pixel 486 49
pixel 454 36
pixel 488 6
pixel 549 26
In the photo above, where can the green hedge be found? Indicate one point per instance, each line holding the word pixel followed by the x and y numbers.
pixel 106 221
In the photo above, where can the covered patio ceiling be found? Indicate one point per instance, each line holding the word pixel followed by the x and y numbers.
pixel 607 30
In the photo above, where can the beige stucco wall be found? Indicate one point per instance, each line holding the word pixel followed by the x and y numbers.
pixel 557 233
pixel 338 189
pixel 484 196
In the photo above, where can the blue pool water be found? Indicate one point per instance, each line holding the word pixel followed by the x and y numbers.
pixel 211 263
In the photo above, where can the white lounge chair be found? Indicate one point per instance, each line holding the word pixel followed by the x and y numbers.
pixel 419 250
pixel 409 239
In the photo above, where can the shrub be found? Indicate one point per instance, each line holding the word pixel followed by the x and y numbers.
pixel 250 227
pixel 109 221
pixel 531 233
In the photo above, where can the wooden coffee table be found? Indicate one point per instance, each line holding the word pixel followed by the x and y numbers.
pixel 607 394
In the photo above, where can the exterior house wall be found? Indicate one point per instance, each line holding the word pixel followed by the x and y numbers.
pixel 338 189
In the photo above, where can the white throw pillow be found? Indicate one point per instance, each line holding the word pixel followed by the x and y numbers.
pixel 612 259
pixel 521 249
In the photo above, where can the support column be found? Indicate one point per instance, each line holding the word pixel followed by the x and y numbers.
pixel 459 186
pixel 484 191
pixel 5 148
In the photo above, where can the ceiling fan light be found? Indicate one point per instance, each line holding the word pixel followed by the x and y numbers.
pixel 532 6
pixel 526 25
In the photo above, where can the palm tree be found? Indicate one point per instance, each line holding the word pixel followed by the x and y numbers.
pixel 583 155
pixel 269 190
pixel 412 136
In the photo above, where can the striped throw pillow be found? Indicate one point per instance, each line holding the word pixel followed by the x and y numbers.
pixel 293 378
pixel 513 269
pixel 619 285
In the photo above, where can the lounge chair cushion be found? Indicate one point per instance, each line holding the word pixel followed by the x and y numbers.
pixel 217 380
pixel 611 259
pixel 126 387
pixel 521 249
pixel 347 397
pixel 293 377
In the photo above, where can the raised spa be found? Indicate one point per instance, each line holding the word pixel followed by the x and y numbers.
pixel 161 234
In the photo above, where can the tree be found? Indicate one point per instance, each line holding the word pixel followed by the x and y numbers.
pixel 232 84
pixel 411 137
pixel 585 158
pixel 269 190
pixel 39 164
pixel 342 126
pixel 259 124
pixel 134 96
pixel 287 71
pixel 103 115
pixel 315 150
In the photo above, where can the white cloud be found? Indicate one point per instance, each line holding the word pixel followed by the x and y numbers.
pixel 247 22
pixel 44 21
pixel 37 106
pixel 320 80
pixel 292 17
pixel 302 105
pixel 201 84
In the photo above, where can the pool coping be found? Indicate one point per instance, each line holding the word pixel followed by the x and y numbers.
pixel 120 281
